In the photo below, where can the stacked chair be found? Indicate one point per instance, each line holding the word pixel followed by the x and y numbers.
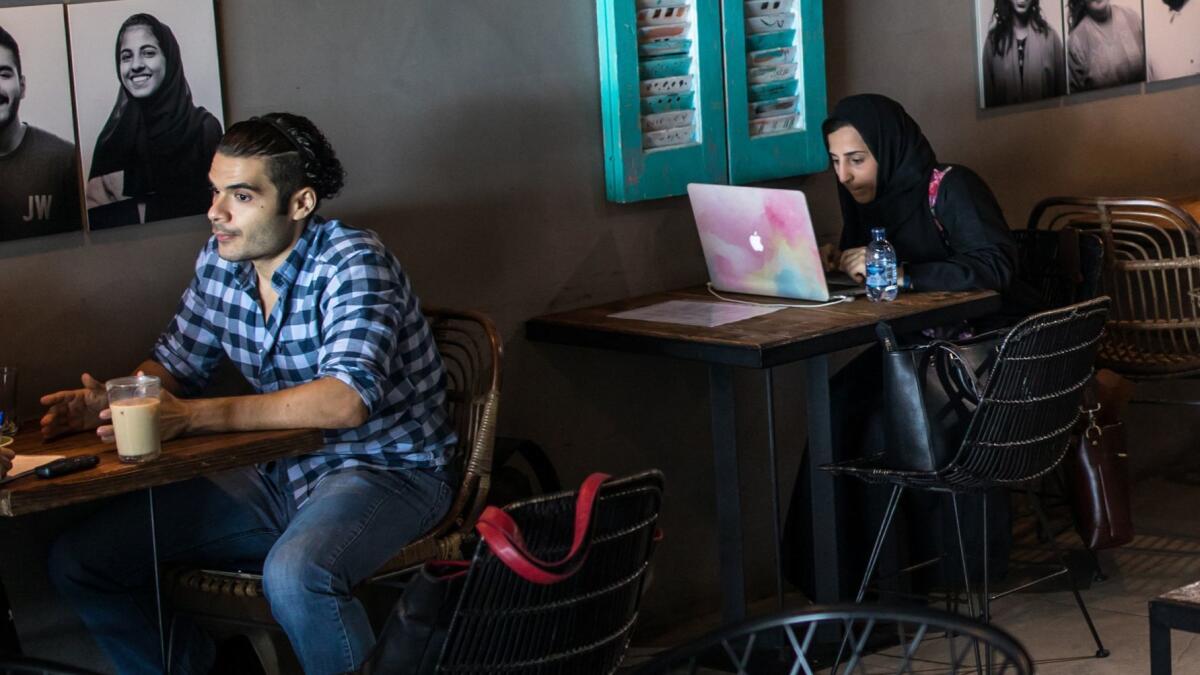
pixel 1149 254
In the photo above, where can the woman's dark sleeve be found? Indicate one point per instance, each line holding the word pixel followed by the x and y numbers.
pixel 983 252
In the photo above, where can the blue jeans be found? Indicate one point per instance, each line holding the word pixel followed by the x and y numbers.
pixel 311 558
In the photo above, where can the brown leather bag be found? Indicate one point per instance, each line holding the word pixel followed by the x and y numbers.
pixel 1100 475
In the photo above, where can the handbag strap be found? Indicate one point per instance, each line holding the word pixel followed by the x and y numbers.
pixel 935 184
pixel 501 534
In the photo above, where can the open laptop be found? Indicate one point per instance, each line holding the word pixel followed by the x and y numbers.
pixel 761 241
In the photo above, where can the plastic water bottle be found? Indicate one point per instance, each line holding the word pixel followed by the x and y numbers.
pixel 881 268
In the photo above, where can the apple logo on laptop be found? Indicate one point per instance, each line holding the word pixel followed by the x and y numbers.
pixel 756 242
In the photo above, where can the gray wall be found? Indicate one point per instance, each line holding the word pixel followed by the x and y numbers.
pixel 471 133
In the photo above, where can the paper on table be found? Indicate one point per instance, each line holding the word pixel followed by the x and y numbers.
pixel 695 312
pixel 23 464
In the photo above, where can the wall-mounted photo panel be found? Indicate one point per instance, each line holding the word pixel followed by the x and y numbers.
pixel 1021 48
pixel 1105 44
pixel 39 176
pixel 1172 39
pixel 148 97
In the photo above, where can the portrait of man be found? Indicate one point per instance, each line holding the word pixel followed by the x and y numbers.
pixel 39 178
pixel 1105 46
pixel 1172 39
pixel 148 95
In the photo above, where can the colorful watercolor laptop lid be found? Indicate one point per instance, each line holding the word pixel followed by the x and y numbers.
pixel 758 240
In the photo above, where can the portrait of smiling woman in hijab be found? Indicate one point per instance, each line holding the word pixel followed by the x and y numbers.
pixel 153 154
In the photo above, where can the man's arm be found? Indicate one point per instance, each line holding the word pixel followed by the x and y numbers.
pixel 326 403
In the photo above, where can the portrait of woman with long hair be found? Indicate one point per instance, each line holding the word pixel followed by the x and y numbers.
pixel 152 156
pixel 1105 47
pixel 1022 55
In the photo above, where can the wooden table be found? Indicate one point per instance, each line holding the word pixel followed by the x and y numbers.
pixel 763 342
pixel 1178 609
pixel 181 459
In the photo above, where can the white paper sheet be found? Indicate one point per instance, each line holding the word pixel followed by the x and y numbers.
pixel 695 312
pixel 23 464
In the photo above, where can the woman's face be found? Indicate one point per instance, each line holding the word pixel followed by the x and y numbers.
pixel 142 64
pixel 855 166
pixel 1020 7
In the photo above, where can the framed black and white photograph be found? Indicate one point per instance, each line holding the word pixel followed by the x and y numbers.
pixel 148 95
pixel 1021 51
pixel 39 175
pixel 1105 43
pixel 1172 39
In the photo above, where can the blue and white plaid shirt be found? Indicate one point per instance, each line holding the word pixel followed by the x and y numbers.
pixel 345 310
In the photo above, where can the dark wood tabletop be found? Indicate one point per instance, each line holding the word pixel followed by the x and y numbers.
pixel 181 459
pixel 773 339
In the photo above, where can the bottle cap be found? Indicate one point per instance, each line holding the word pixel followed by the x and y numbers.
pixel 878 232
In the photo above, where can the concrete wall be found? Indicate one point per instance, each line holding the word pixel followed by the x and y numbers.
pixel 471 134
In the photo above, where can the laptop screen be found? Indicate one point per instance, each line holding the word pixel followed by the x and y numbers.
pixel 758 240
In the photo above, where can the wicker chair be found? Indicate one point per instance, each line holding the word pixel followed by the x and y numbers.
pixel 1017 434
pixel 912 634
pixel 505 624
pixel 232 603
pixel 1151 270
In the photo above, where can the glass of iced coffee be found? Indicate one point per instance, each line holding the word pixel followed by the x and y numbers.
pixel 133 402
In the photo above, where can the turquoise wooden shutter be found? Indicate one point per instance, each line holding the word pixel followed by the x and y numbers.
pixel 662 96
pixel 774 51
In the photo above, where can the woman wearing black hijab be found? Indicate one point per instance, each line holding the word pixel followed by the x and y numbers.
pixel 950 235
pixel 961 243
pixel 153 155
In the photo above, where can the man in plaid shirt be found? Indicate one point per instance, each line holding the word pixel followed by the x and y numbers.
pixel 321 321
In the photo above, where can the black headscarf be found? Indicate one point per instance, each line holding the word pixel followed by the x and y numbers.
pixel 158 141
pixel 905 162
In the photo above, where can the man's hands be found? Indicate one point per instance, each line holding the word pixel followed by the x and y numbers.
pixel 82 409
pixel 75 409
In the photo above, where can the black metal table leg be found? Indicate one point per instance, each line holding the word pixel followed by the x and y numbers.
pixel 9 642
pixel 729 506
pixel 1160 642
pixel 826 516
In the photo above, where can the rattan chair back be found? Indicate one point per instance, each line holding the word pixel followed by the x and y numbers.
pixel 1152 273
pixel 505 624
pixel 471 352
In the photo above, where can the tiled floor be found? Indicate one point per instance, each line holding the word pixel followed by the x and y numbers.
pixel 1164 555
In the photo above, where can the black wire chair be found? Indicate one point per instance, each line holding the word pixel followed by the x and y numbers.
pixel 1017 434
pixel 505 624
pixel 911 636
pixel 27 665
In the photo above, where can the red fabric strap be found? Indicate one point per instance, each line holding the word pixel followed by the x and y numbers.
pixel 501 534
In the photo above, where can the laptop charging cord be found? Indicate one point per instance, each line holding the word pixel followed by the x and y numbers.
pixel 833 300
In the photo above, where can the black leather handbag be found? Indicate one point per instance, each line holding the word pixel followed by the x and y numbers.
pixel 930 392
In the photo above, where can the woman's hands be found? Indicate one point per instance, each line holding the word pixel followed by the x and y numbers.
pixel 851 261
pixel 854 263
